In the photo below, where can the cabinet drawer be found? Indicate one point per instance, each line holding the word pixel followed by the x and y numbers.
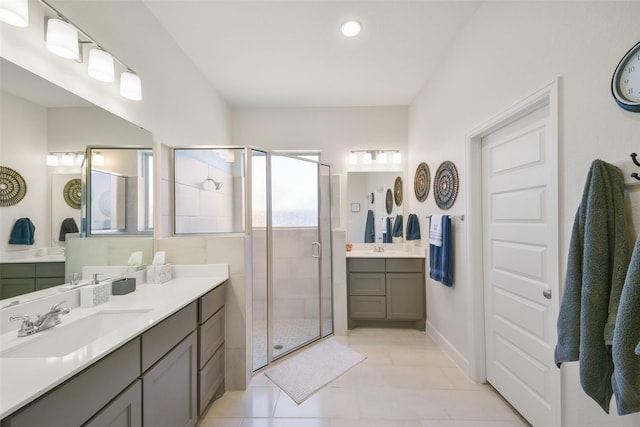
pixel 210 378
pixel 157 341
pixel 367 307
pixel 366 265
pixel 405 265
pixel 366 284
pixel 211 337
pixel 211 302
pixel 50 269
pixel 78 399
pixel 17 270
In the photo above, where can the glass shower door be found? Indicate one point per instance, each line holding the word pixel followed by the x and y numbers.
pixel 295 253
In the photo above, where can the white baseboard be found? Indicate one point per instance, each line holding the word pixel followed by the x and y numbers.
pixel 458 358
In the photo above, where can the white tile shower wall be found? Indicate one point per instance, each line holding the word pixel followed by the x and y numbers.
pixel 200 208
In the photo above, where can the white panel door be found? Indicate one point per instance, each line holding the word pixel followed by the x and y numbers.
pixel 520 223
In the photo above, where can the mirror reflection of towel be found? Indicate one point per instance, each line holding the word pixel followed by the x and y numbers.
pixel 23 232
pixel 68 226
pixel 397 227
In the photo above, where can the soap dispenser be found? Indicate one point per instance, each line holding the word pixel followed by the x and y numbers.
pixel 95 293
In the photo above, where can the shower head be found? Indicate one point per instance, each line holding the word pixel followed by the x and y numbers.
pixel 216 184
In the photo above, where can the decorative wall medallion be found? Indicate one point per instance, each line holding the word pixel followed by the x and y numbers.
pixel 445 185
pixel 389 201
pixel 12 187
pixel 421 182
pixel 397 191
pixel 73 193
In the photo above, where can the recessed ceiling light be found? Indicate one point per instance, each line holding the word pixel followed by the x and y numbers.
pixel 351 28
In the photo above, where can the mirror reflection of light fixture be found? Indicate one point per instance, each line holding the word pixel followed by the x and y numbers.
pixel 52 160
pixel 130 86
pixel 62 39
pixel 66 159
pixel 101 65
pixel 14 12
pixel 79 159
pixel 379 156
pixel 97 159
pixel 397 157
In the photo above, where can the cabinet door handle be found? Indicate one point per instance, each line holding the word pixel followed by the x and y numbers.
pixel 315 249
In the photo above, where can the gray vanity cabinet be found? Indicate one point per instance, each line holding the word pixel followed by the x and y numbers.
pixel 77 400
pixel 167 376
pixel 389 290
pixel 23 277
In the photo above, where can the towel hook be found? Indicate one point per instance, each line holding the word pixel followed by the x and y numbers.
pixel 637 163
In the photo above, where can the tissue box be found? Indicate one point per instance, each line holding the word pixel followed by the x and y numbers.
pixel 123 286
pixel 95 294
pixel 159 273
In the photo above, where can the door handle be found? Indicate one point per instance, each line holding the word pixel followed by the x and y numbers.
pixel 315 249
pixel 547 293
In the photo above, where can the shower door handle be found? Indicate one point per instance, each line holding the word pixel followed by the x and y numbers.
pixel 315 249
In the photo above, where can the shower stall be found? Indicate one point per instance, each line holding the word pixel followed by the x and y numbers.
pixel 283 201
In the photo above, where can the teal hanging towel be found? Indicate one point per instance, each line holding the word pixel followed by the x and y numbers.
pixel 23 232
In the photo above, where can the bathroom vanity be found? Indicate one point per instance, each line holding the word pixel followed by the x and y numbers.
pixel 386 288
pixel 156 358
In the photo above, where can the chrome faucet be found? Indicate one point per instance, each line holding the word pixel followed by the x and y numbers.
pixel 378 248
pixel 95 280
pixel 44 321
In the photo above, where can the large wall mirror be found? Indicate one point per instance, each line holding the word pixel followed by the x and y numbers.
pixel 39 119
pixel 368 197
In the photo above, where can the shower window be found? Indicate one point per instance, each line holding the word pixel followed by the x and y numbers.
pixel 209 190
pixel 297 201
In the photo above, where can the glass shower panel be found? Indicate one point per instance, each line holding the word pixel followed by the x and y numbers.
pixel 260 253
pixel 326 261
pixel 295 253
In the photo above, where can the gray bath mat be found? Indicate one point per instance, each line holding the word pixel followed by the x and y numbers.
pixel 307 372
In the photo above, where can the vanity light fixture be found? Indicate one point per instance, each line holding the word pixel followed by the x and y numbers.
pixel 350 28
pixel 65 39
pixel 62 38
pixel 377 156
pixel 15 12
pixel 101 65
pixel 64 158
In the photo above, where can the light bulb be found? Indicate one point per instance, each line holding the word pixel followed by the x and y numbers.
pixel 397 157
pixel 67 159
pixel 367 158
pixel 130 86
pixel 353 158
pixel 52 160
pixel 62 39
pixel 101 65
pixel 14 12
pixel 97 159
pixel 382 158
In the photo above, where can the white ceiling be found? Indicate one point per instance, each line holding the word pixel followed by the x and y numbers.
pixel 290 53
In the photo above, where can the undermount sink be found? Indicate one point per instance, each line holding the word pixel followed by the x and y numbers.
pixel 67 338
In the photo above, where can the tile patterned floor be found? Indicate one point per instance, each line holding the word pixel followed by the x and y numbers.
pixel 406 381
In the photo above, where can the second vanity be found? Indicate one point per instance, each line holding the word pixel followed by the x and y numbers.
pixel 386 286
pixel 152 357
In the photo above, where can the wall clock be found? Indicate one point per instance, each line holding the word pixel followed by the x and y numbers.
pixel 625 83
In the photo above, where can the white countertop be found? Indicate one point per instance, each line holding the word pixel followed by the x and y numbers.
pixel 391 250
pixel 24 379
